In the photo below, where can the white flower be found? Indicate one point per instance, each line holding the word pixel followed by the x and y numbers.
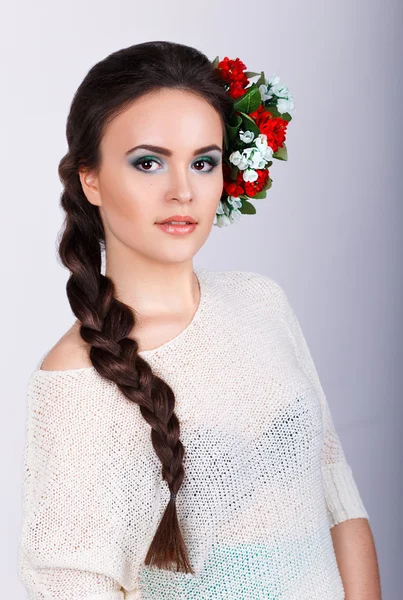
pixel 220 210
pixel 221 220
pixel 238 159
pixel 286 105
pixel 246 136
pixel 235 202
pixel 257 159
pixel 265 150
pixel 277 88
pixel 225 215
pixel 250 175
pixel 235 216
pixel 258 162
pixel 261 139
pixel 273 87
pixel 265 93
pixel 254 158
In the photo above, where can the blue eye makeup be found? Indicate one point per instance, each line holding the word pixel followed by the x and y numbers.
pixel 147 160
pixel 209 160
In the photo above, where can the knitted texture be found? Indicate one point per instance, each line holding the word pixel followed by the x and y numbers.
pixel 265 472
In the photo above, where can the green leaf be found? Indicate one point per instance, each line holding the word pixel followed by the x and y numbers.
pixel 250 74
pixel 247 208
pixel 215 62
pixel 272 108
pixel 281 153
pixel 250 124
pixel 261 80
pixel 234 172
pixel 250 101
pixel 260 195
pixel 234 120
pixel 286 116
pixel 233 127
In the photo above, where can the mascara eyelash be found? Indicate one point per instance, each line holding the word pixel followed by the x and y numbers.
pixel 138 161
pixel 210 159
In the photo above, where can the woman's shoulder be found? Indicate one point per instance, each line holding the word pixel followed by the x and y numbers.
pixel 251 281
pixel 65 383
pixel 69 353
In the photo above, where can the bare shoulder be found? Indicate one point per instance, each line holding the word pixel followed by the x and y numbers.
pixel 70 352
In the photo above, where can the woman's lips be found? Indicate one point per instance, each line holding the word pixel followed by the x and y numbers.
pixel 177 229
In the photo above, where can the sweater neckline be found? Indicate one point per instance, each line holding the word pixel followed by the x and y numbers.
pixel 200 273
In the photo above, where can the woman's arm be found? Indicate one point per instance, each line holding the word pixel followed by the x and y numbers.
pixel 348 518
pixel 356 558
pixel 64 551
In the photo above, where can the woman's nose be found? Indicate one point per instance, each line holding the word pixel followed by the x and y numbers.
pixel 179 185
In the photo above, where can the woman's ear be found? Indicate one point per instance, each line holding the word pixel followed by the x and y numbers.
pixel 89 183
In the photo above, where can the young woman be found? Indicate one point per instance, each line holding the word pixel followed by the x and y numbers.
pixel 178 443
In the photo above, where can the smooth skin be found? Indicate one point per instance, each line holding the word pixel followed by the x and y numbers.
pixel 153 271
pixel 356 557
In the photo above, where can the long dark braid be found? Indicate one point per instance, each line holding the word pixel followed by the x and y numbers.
pixel 106 323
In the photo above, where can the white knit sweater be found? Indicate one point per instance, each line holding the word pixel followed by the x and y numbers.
pixel 265 473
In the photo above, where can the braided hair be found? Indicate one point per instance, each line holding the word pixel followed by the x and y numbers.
pixel 106 323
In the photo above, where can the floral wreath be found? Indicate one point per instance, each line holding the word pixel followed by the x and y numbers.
pixel 254 135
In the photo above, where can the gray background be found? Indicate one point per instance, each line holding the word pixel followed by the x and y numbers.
pixel 329 231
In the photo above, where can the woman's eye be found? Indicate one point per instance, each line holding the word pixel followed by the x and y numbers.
pixel 144 164
pixel 145 161
pixel 209 161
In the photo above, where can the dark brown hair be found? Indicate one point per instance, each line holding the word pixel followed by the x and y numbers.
pixel 109 87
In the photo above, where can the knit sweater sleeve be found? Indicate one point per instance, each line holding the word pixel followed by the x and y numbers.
pixel 63 549
pixel 343 500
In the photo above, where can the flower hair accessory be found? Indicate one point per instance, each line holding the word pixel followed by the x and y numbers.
pixel 254 135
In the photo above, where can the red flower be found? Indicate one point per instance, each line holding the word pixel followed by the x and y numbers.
pixel 254 187
pixel 233 188
pixel 240 186
pixel 236 90
pixel 274 127
pixel 232 71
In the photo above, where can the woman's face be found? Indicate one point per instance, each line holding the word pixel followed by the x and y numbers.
pixel 135 188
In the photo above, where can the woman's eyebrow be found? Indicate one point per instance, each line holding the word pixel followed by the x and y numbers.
pixel 168 152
